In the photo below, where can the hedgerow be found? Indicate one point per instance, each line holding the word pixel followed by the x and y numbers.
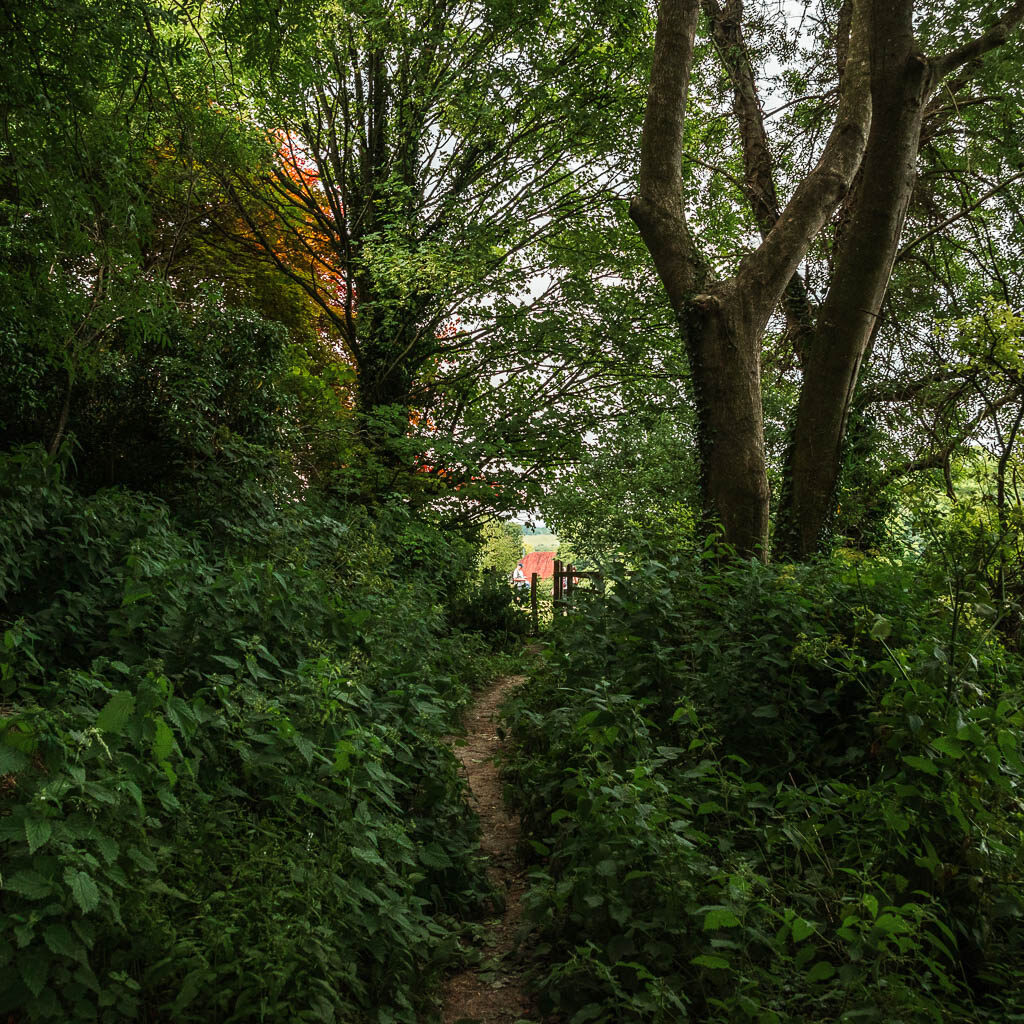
pixel 224 793
pixel 774 794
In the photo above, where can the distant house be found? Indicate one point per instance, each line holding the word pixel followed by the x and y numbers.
pixel 540 562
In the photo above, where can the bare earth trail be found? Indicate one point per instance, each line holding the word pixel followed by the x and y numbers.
pixel 492 993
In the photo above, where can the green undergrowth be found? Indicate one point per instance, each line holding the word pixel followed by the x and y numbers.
pixel 224 793
pixel 775 794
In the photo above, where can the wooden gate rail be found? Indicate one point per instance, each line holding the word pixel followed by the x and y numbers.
pixel 563 585
pixel 565 577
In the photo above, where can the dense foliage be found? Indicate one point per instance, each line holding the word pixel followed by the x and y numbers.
pixel 776 795
pixel 301 302
pixel 222 767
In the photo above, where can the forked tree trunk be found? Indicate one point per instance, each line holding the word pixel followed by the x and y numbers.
pixel 903 80
pixel 722 323
pixel 885 85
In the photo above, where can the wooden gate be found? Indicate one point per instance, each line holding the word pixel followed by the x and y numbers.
pixel 564 581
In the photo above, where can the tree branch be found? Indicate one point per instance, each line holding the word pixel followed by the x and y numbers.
pixel 989 40
pixel 759 181
pixel 768 270
pixel 657 208
pixel 959 215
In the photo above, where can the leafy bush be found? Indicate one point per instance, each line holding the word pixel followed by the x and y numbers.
pixel 774 794
pixel 488 606
pixel 224 793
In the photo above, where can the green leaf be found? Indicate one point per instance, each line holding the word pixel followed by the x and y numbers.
pixel 1009 744
pixel 141 858
pixel 801 929
pixel 83 888
pixel 947 745
pixel 434 856
pixel 589 1012
pixel 108 848
pixel 368 856
pixel 305 746
pixel 892 924
pixel 714 963
pixel 163 741
pixel 195 981
pixel 114 716
pixel 821 971
pixel 37 832
pixel 59 940
pixel 720 917
pixel 29 884
pixel 881 628
pixel 34 970
pixel 11 760
pixel 923 764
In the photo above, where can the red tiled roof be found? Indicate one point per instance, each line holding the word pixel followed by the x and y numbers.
pixel 540 562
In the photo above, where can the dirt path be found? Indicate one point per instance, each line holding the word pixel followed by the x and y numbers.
pixel 491 993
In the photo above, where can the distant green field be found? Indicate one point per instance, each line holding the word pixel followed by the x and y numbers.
pixel 541 542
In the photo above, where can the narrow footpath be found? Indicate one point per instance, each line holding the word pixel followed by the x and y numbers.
pixel 491 992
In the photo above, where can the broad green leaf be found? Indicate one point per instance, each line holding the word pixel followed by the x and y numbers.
pixel 821 971
pixel 114 716
pixel 305 746
pixel 720 917
pixel 83 888
pixel 881 628
pixel 947 745
pixel 587 1013
pixel 108 848
pixel 1009 744
pixel 11 760
pixel 59 940
pixel 141 858
pixel 434 856
pixel 29 884
pixel 37 832
pixel 163 741
pixel 34 968
pixel 923 764
pixel 801 929
pixel 714 963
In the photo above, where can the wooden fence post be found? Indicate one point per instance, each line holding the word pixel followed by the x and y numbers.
pixel 533 604
pixel 556 593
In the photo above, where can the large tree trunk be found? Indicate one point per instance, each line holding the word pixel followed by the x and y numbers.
pixel 901 82
pixel 722 323
pixel 885 84
pixel 724 341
